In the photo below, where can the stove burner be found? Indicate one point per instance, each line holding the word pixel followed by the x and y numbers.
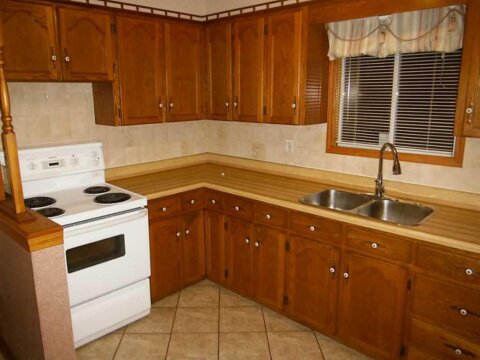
pixel 51 212
pixel 39 201
pixel 93 190
pixel 112 198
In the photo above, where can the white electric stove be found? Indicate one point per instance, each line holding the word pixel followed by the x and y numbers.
pixel 105 235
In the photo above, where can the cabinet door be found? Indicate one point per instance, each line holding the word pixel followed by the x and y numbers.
pixel 269 266
pixel 165 257
pixel 312 269
pixel 183 71
pixel 86 42
pixel 372 305
pixel 30 47
pixel 219 52
pixel 193 246
pixel 239 242
pixel 248 69
pixel 140 61
pixel 215 247
pixel 283 67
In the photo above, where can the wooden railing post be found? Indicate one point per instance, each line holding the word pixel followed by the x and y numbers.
pixel 9 140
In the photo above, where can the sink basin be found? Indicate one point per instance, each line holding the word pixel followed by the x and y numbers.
pixel 395 211
pixel 336 199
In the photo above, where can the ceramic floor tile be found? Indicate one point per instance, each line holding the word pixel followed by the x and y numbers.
pixel 277 322
pixel 119 331
pixel 143 346
pixel 205 282
pixel 199 296
pixel 229 298
pixel 239 346
pixel 333 350
pixel 160 320
pixel 193 346
pixel 169 301
pixel 196 320
pixel 100 349
pixel 294 345
pixel 241 319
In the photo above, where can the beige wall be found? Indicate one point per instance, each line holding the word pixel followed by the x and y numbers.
pixel 49 113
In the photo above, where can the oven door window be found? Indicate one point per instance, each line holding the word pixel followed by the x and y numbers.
pixel 95 253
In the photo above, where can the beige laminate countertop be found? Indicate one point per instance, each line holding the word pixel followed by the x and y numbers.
pixel 449 226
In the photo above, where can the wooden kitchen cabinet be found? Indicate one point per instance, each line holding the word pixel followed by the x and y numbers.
pixel 215 245
pixel 86 45
pixel 372 305
pixel 141 70
pixel 193 246
pixel 219 53
pixel 183 71
pixel 269 266
pixel 312 286
pixel 248 93
pixel 30 41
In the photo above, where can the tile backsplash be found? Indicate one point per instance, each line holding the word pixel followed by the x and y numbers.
pixel 56 113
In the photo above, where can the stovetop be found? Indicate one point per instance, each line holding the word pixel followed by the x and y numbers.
pixel 75 205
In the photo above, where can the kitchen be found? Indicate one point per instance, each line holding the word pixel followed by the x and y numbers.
pixel 263 155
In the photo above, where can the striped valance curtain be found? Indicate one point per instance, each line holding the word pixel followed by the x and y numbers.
pixel 438 29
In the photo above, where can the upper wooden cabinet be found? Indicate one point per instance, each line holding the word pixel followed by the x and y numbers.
pixel 31 51
pixel 183 64
pixel 248 69
pixel 283 67
pixel 86 43
pixel 219 53
pixel 141 70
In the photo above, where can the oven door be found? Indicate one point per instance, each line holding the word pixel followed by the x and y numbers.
pixel 107 254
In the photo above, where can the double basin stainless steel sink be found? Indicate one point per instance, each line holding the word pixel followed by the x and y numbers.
pixel 369 206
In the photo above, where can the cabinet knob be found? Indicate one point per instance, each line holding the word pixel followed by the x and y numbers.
pixel 235 103
pixel 312 228
pixel 213 201
pixel 268 216
pixel 469 271
pixel 54 57
pixel 294 106
pixel 332 270
pixel 257 244
pixel 187 232
pixel 192 201
pixel 463 312
pixel 164 209
pixel 237 208
pixel 178 234
pixel 469 112
pixel 160 105
pixel 374 245
pixel 171 105
pixel 458 352
pixel 247 241
pixel 67 59
pixel 346 275
pixel 227 104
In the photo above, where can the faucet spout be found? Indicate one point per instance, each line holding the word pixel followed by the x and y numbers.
pixel 397 170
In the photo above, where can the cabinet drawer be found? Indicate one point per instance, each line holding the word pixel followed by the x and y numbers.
pixel 271 215
pixel 163 207
pixel 213 200
pixel 455 266
pixel 191 200
pixel 447 304
pixel 316 227
pixel 440 343
pixel 377 243
pixel 238 206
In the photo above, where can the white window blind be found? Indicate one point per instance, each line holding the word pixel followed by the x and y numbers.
pixel 406 99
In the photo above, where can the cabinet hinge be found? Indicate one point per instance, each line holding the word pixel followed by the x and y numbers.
pixel 409 284
pixel 265 29
pixel 113 27
pixel 225 225
pixel 285 299
pixel 226 274
pixel 403 351
pixel 265 110
pixel 287 246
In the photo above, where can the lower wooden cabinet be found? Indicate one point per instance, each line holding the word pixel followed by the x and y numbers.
pixel 193 246
pixel 313 272
pixel 372 305
pixel 215 245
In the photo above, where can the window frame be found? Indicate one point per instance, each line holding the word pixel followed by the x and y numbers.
pixel 334 85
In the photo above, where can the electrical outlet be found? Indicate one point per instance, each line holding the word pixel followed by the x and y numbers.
pixel 289 145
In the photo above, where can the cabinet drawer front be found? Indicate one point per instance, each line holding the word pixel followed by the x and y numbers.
pixel 440 343
pixel 213 200
pixel 455 266
pixel 381 244
pixel 238 206
pixel 447 304
pixel 316 227
pixel 163 207
pixel 271 215
pixel 191 200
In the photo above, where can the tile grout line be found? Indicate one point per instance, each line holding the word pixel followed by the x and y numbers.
pixel 318 342
pixel 120 342
pixel 266 334
pixel 173 323
pixel 218 328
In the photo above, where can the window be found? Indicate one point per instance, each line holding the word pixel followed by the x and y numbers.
pixel 406 99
